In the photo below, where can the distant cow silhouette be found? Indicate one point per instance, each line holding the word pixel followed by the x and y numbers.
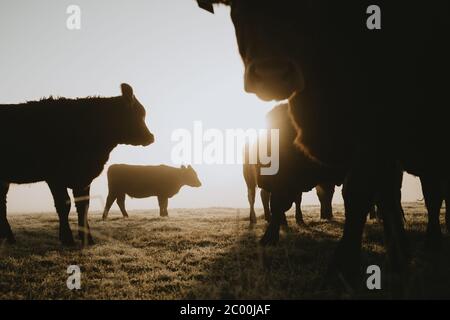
pixel 66 143
pixel 324 193
pixel 297 173
pixel 147 181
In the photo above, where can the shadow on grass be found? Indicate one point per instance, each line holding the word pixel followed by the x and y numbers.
pixel 207 255
pixel 295 268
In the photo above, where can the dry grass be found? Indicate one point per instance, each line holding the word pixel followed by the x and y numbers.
pixel 201 253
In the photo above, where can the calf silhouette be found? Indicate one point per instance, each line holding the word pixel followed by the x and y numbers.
pixel 297 173
pixel 66 143
pixel 147 181
pixel 324 192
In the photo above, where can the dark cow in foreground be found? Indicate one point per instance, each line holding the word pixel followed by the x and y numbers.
pixel 368 101
pixel 297 174
pixel 146 181
pixel 66 143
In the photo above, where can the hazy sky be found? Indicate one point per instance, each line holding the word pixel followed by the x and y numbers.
pixel 182 62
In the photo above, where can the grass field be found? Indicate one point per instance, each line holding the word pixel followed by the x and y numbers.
pixel 202 254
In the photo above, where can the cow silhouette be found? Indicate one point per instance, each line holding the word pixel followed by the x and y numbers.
pixel 297 174
pixel 324 193
pixel 66 143
pixel 367 101
pixel 146 181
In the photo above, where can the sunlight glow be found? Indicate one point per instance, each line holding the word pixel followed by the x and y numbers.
pixel 183 69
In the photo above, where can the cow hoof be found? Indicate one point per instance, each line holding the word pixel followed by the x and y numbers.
pixel 300 222
pixel 271 237
pixel 66 239
pixel 252 220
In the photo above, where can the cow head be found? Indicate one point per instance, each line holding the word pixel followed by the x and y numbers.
pixel 296 50
pixel 189 177
pixel 133 129
pixel 265 32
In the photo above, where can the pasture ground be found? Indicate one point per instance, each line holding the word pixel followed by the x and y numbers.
pixel 204 254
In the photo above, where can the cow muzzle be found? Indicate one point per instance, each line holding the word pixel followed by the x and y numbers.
pixel 150 139
pixel 273 79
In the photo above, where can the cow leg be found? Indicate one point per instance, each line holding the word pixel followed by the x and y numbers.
pixel 5 228
pixel 279 204
pixel 121 204
pixel 265 198
pixel 81 196
pixel 391 212
pixel 62 204
pixel 163 202
pixel 432 194
pixel 325 194
pixel 298 210
pixel 251 192
pixel 109 202
pixel 357 194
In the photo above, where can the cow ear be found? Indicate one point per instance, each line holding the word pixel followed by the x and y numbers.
pixel 206 5
pixel 127 92
pixel 190 167
pixel 183 167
